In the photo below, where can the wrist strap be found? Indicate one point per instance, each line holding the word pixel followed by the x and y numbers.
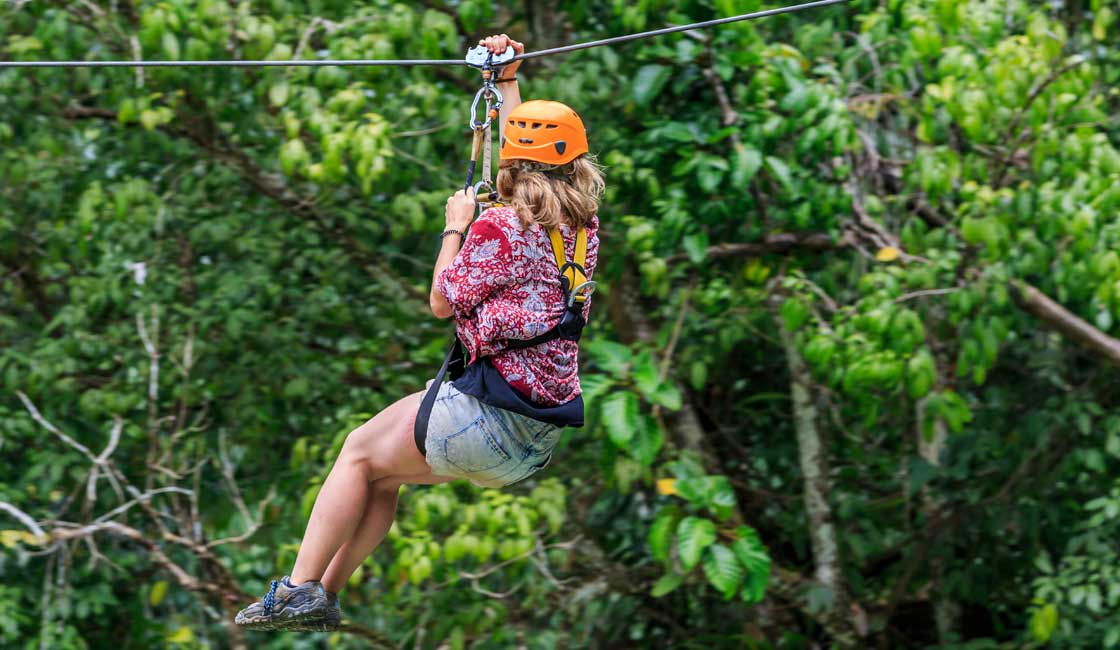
pixel 451 231
pixel 505 79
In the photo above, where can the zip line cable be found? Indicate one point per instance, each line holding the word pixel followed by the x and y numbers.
pixel 680 28
pixel 415 62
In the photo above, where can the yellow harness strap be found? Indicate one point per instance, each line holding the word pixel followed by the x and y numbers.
pixel 574 271
pixel 557 246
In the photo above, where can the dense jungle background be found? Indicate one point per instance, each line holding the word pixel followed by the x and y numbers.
pixel 851 372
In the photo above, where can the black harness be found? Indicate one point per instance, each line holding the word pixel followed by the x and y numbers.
pixel 577 288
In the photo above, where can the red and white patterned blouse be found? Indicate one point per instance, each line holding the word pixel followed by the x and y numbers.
pixel 504 284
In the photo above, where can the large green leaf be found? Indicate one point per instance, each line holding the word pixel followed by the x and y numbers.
pixel 755 559
pixel 647 444
pixel 620 413
pixel 666 584
pixel 648 82
pixel 613 357
pixel 694 534
pixel 661 535
pixel 1044 620
pixel 723 569
pixel 747 163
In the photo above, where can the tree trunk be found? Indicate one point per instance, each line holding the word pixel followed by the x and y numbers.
pixel 814 469
pixel 945 610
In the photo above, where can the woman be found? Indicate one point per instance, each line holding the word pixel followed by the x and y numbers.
pixel 499 422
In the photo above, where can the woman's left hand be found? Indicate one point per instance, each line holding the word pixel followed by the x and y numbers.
pixel 459 212
pixel 498 44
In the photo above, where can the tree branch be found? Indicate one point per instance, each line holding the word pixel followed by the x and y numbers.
pixel 1066 323
pixel 780 243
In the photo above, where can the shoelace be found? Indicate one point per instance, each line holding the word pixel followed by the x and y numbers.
pixel 270 599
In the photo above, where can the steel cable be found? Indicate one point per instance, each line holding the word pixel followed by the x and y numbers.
pixel 415 62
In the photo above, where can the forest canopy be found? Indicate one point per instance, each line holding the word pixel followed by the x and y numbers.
pixel 850 373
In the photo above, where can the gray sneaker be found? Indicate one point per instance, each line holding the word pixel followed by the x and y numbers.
pixel 332 618
pixel 307 607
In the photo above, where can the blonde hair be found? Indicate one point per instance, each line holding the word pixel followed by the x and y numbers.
pixel 542 193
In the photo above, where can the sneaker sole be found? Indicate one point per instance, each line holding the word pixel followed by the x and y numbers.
pixel 293 619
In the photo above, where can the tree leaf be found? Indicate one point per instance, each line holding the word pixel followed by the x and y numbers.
pixel 747 163
pixel 279 92
pixel 648 82
pixel 648 441
pixel 613 357
pixel 645 373
pixel 754 557
pixel 182 635
pixel 668 396
pixel 620 413
pixel 156 595
pixel 781 172
pixel 696 247
pixel 1044 620
pixel 723 569
pixel 661 535
pixel 694 534
pixel 666 584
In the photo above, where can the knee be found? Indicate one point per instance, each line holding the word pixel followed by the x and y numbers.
pixel 356 456
pixel 386 487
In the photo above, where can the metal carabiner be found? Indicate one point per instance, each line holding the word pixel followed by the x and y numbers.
pixel 589 285
pixel 491 193
pixel 493 100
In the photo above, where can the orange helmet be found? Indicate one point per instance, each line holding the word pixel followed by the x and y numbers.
pixel 545 132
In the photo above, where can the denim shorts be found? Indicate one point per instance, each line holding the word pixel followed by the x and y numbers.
pixel 488 446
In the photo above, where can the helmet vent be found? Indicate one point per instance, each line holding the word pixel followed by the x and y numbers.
pixel 525 140
pixel 521 124
pixel 551 126
pixel 536 125
pixel 560 147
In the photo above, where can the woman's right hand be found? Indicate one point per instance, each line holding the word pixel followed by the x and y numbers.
pixel 498 44
pixel 459 211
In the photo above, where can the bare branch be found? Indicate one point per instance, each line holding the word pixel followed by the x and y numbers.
pixel 254 524
pixel 773 244
pixel 142 498
pixel 102 460
pixel 1066 322
pixel 228 476
pixel 926 292
pixel 153 363
pixel 23 518
pixel 66 531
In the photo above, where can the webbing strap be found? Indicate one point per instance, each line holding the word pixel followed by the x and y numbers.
pixel 557 247
pixel 575 272
pixel 424 413
pixel 581 248
pixel 487 145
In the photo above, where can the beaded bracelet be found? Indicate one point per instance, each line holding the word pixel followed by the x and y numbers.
pixel 450 231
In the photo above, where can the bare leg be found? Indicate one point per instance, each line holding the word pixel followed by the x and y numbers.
pixel 380 448
pixel 375 524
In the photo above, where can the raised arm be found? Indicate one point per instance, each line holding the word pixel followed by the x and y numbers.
pixel 460 207
pixel 509 89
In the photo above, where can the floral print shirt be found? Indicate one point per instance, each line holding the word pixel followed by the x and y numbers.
pixel 504 284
